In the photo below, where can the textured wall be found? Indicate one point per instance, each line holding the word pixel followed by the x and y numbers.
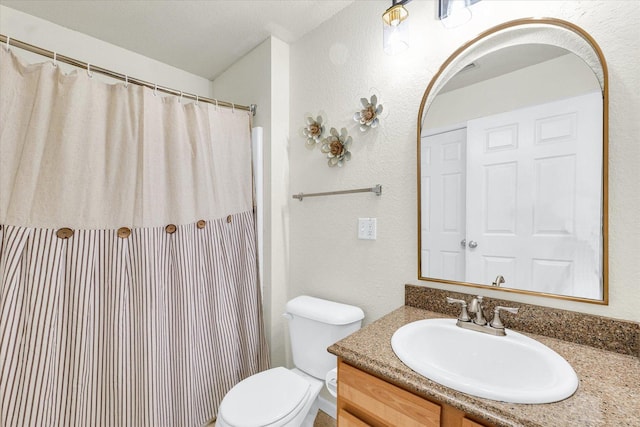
pixel 342 61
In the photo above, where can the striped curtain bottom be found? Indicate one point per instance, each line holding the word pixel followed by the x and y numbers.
pixel 148 330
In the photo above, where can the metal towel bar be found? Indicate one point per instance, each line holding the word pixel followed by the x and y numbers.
pixel 377 189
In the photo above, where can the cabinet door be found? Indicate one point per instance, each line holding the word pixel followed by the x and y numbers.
pixel 379 403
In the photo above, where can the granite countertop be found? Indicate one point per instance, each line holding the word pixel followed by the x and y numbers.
pixel 608 393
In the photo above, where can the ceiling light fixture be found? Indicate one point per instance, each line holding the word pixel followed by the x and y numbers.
pixel 395 32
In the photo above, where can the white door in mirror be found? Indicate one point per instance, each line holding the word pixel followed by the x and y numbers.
pixel 444 213
pixel 533 197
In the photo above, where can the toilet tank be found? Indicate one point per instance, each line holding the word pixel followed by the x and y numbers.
pixel 315 324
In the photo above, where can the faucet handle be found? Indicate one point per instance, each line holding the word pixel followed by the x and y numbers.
pixel 464 315
pixel 496 322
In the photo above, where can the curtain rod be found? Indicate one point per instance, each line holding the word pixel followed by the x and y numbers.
pixel 8 41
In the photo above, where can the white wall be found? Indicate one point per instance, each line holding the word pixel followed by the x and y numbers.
pixel 248 81
pixel 279 178
pixel 44 34
pixel 262 77
pixel 342 61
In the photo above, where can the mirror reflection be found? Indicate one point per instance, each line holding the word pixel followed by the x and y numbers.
pixel 511 177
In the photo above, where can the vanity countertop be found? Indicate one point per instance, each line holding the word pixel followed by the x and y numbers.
pixel 608 393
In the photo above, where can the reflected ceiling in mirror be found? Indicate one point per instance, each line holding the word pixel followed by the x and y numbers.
pixel 512 164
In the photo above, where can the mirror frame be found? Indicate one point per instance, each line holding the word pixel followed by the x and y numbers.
pixel 453 64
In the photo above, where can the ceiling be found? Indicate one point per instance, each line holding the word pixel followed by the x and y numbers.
pixel 202 37
pixel 501 62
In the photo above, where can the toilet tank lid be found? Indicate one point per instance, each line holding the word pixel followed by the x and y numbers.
pixel 321 310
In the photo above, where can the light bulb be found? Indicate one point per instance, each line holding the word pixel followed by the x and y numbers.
pixel 458 13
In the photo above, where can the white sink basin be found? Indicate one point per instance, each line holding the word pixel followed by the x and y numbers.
pixel 512 368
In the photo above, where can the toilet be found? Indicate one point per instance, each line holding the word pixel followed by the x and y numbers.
pixel 288 397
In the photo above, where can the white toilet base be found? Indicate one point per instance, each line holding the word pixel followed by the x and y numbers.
pixel 310 418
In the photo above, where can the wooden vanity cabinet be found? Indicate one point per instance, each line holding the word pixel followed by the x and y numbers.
pixel 366 400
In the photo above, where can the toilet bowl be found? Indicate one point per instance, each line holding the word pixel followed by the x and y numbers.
pixel 273 398
pixel 288 397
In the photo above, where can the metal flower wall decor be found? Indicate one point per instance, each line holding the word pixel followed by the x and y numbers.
pixel 368 116
pixel 336 146
pixel 313 131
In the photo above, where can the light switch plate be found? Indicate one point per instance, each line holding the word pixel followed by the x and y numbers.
pixel 367 228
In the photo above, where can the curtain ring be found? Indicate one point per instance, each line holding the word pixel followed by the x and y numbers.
pixel 216 104
pixel 89 73
pixel 55 59
pixel 233 108
pixel 196 99
pixel 155 89
pixel 180 99
pixel 8 46
pixel 126 81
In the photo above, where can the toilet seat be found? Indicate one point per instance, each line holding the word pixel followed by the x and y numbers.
pixel 269 398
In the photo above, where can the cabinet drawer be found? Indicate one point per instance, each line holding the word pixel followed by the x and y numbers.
pixel 345 419
pixel 466 422
pixel 379 403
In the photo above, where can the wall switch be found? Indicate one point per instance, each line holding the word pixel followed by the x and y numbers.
pixel 367 228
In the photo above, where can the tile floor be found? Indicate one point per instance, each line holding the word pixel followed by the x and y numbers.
pixel 324 420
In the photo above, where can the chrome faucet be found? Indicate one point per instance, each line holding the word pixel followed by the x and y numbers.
pixel 499 280
pixel 479 323
pixel 476 307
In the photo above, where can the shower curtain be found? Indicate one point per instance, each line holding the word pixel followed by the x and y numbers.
pixel 128 289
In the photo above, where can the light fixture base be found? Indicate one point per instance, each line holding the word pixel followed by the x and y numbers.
pixel 395 15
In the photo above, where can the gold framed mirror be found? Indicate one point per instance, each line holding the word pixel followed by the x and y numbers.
pixel 512 164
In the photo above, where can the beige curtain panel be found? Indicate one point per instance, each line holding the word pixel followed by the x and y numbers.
pixel 128 289
pixel 110 156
